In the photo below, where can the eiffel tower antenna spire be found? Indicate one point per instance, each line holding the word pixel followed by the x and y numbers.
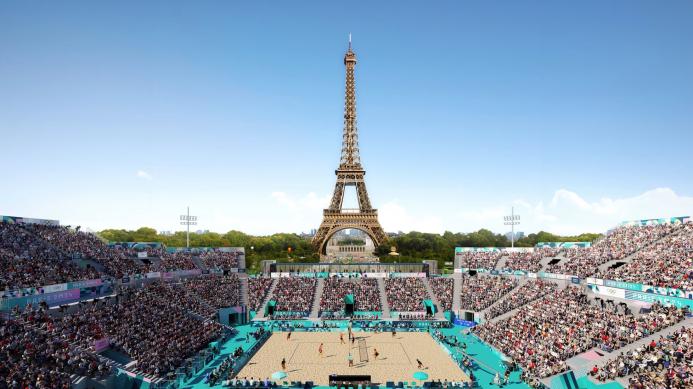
pixel 350 139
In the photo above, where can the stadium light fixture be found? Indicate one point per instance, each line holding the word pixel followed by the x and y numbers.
pixel 512 221
pixel 187 220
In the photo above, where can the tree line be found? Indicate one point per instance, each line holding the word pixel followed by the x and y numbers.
pixel 412 246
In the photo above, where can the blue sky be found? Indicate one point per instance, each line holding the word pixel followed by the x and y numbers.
pixel 119 115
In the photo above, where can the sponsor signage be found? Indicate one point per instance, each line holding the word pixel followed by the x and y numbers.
pixel 51 299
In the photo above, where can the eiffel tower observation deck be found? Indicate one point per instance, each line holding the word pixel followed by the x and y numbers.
pixel 350 173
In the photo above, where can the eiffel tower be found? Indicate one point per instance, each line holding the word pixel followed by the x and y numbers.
pixel 349 173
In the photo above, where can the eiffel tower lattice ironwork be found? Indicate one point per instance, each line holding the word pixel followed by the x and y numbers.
pixel 349 173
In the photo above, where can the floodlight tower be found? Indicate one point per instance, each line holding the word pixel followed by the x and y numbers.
pixel 512 221
pixel 187 220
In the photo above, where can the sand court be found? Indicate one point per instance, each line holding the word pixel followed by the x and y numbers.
pixel 396 361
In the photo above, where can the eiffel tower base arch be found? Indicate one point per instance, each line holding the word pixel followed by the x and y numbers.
pixel 335 221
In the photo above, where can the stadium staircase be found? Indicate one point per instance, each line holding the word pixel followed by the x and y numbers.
pixel 456 292
pixel 544 262
pixel 439 312
pixel 512 312
pixel 260 314
pixel 319 287
pixel 198 262
pixel 501 262
pixel 383 298
pixel 523 281
pixel 245 289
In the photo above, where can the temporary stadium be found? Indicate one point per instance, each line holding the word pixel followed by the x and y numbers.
pixel 80 311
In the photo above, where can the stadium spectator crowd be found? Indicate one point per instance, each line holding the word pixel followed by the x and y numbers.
pixel 479 292
pixel 479 259
pixel 219 259
pixel 215 291
pixel 664 363
pixel 179 260
pixel 525 294
pixel 666 263
pixel 185 298
pixel 527 260
pixel 257 291
pixel 117 261
pixel 26 261
pixel 617 244
pixel 149 326
pixel 545 333
pixel 38 352
pixel 405 294
pixel 365 291
pixel 295 294
pixel 443 288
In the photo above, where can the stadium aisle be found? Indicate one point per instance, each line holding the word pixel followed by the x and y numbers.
pixel 197 382
pixel 489 360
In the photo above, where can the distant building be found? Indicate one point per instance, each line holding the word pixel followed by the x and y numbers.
pixel 165 233
pixel 200 232
pixel 518 235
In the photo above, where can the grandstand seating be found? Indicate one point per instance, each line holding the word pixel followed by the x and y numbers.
pixel 529 260
pixel 259 286
pixel 405 294
pixel 159 324
pixel 28 261
pixel 663 363
pixel 117 261
pixel 37 350
pixel 479 259
pixel 617 244
pixel 666 263
pixel 443 288
pixel 219 259
pixel 295 294
pixel 545 333
pixel 478 293
pixel 526 293
pixel 365 291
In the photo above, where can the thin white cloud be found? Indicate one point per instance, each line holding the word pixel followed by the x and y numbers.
pixel 394 217
pixel 569 213
pixel 562 212
pixel 143 175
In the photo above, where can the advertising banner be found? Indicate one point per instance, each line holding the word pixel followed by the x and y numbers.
pixel 666 300
pixel 649 222
pixel 408 275
pixel 27 220
pixel 519 249
pixel 375 275
pixel 54 288
pixel 563 245
pixel 608 292
pixel 85 283
pixel 476 249
pixel 50 298
pixel 623 285
pixel 101 344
